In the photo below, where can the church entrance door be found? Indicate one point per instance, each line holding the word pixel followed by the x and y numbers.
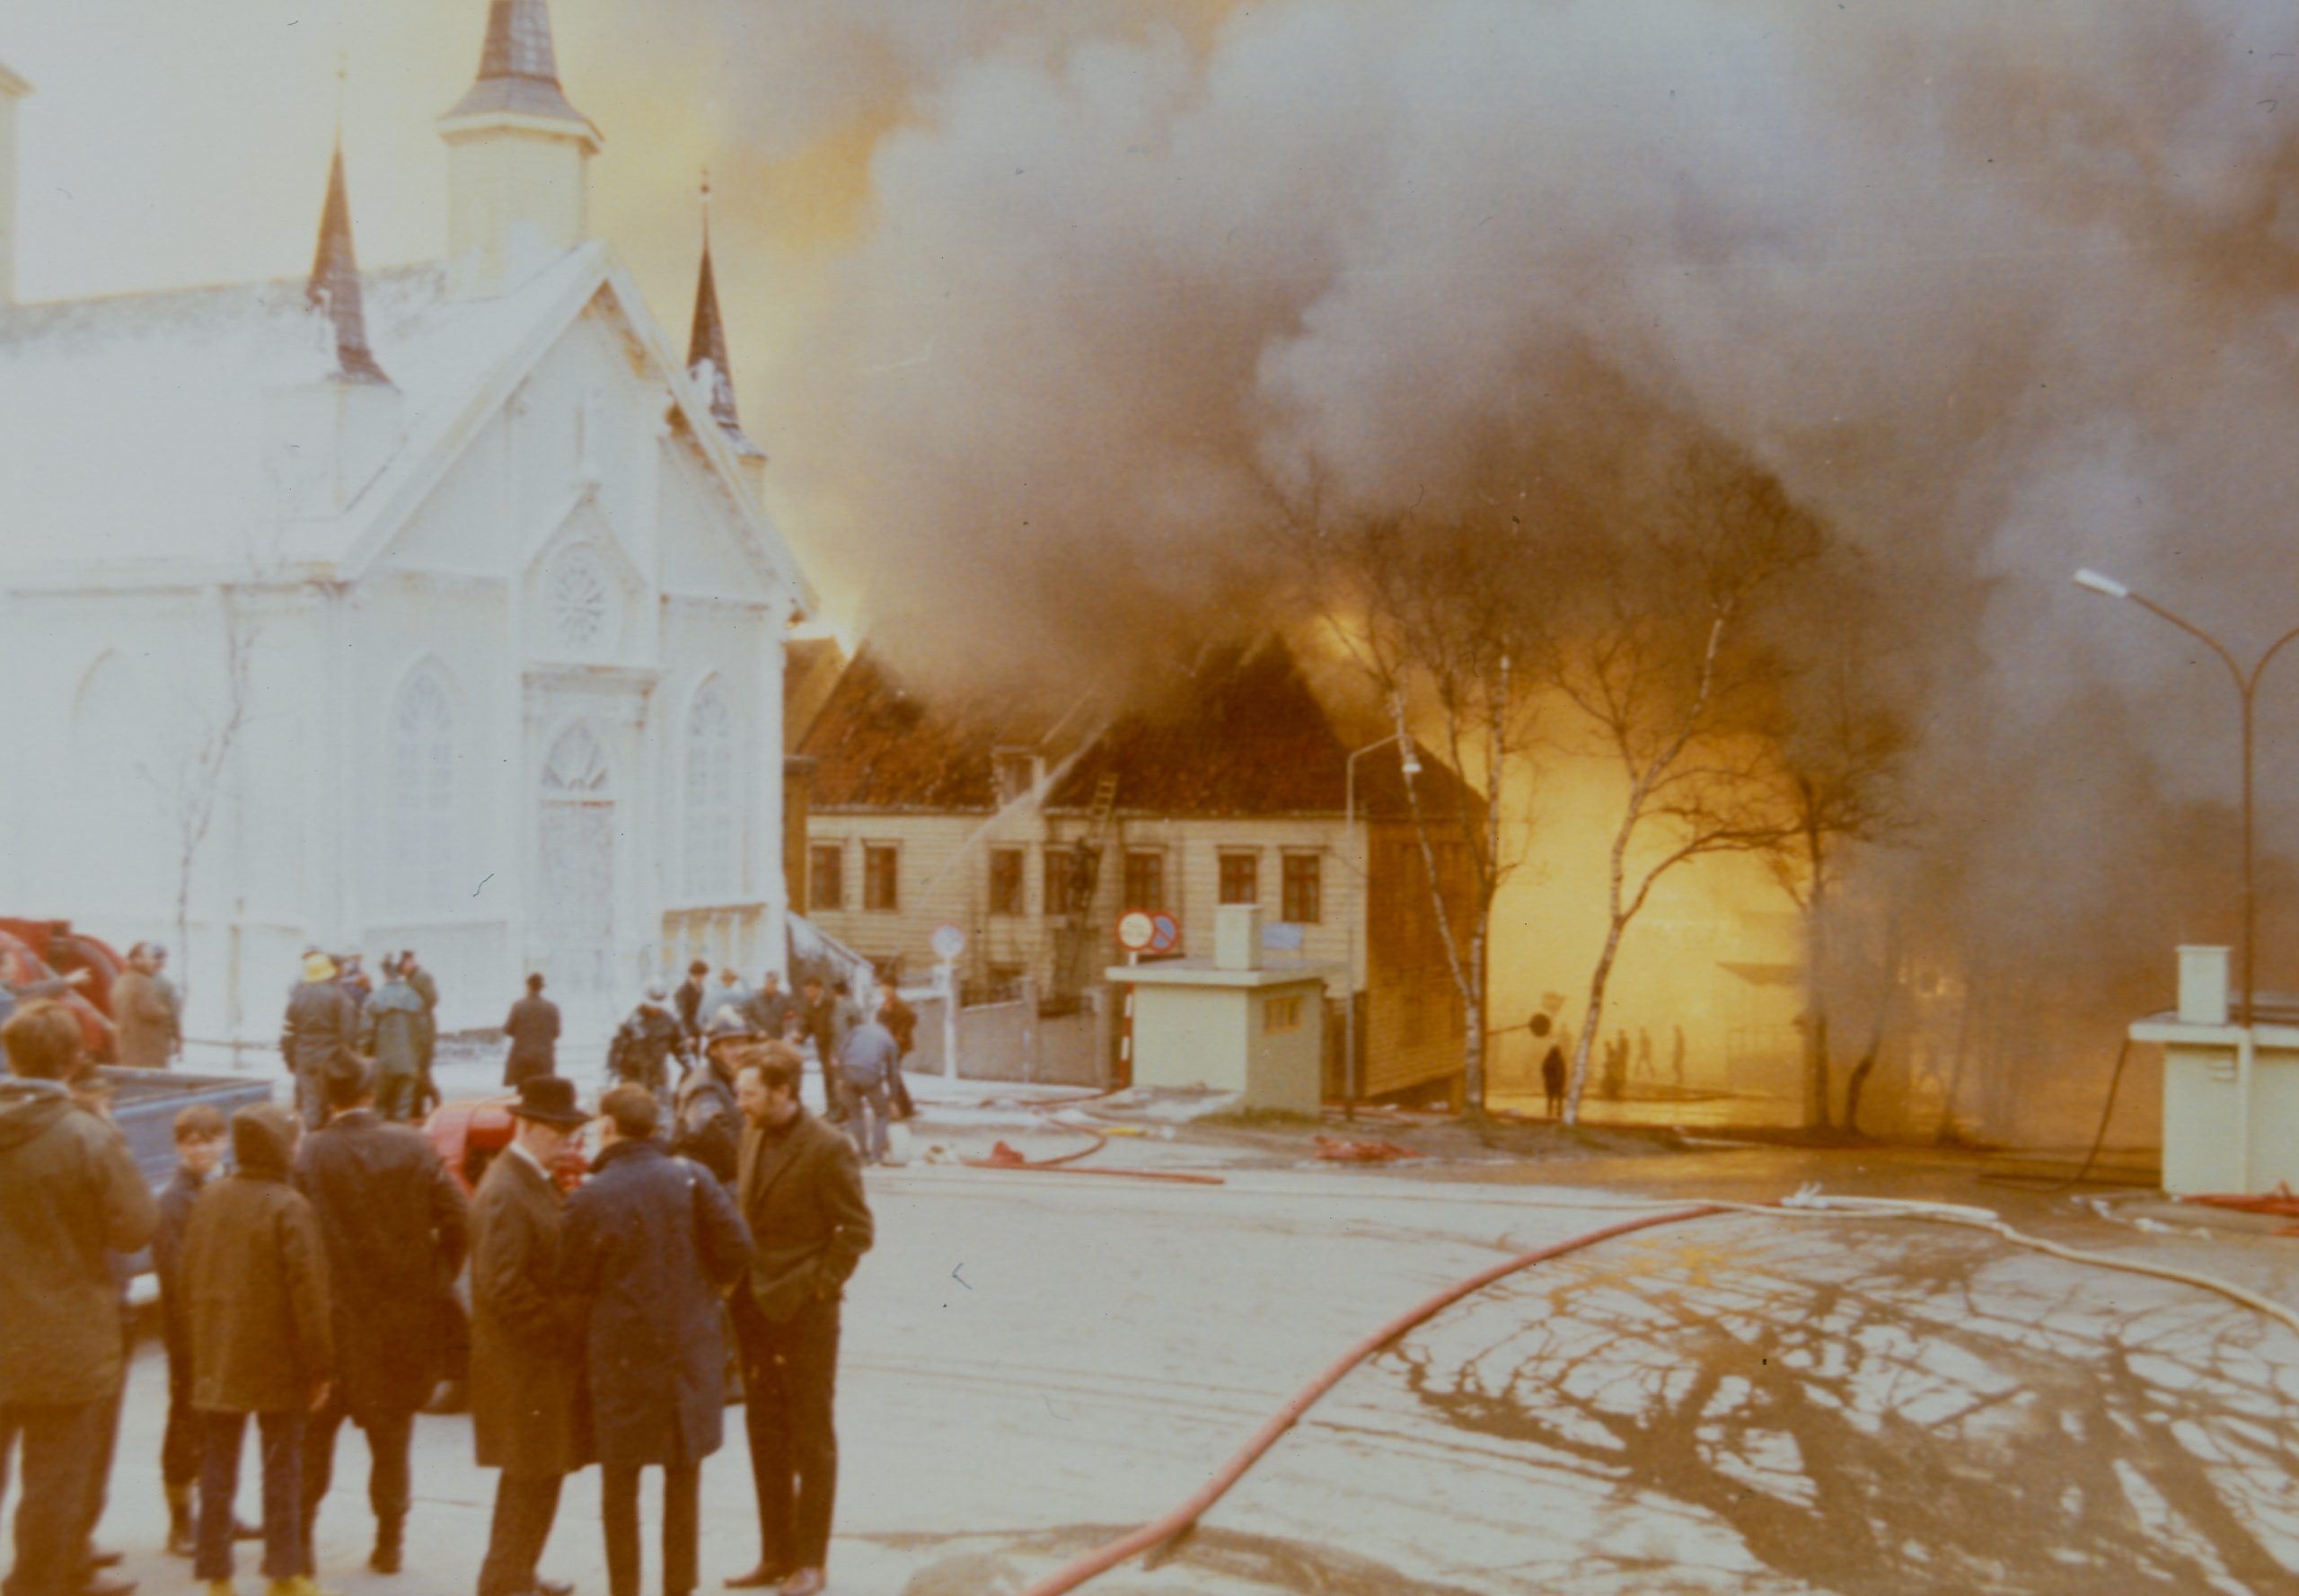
pixel 576 872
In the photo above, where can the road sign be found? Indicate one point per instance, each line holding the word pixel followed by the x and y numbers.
pixel 949 941
pixel 1136 931
pixel 1168 933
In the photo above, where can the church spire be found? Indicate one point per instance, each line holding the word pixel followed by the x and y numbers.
pixel 518 70
pixel 706 349
pixel 334 290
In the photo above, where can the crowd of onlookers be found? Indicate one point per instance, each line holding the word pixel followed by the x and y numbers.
pixel 311 1281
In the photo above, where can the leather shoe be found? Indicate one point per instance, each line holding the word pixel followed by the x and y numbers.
pixel 764 1577
pixel 807 1581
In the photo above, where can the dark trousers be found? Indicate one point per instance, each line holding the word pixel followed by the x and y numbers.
pixel 179 1444
pixel 62 1444
pixel 789 1378
pixel 389 1437
pixel 284 1555
pixel 524 1506
pixel 681 1525
pixel 91 1508
pixel 395 1097
pixel 311 1099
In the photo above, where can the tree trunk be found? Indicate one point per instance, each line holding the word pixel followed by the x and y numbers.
pixel 1473 1039
pixel 1592 1020
pixel 1817 1063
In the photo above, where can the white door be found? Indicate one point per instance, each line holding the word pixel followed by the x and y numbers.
pixel 575 877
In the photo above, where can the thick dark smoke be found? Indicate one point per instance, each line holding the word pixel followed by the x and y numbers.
pixel 1998 290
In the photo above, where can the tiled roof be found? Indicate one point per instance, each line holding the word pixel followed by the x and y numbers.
pixel 877 745
pixel 1243 736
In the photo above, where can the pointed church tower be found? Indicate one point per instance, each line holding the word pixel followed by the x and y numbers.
pixel 325 440
pixel 706 357
pixel 518 156
pixel 334 290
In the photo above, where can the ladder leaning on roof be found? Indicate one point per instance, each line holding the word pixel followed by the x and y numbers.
pixel 1076 941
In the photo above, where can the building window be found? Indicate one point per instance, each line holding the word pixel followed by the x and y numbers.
pixel 1006 890
pixel 1280 1014
pixel 423 823
pixel 1304 890
pixel 1145 879
pixel 827 876
pixel 1017 772
pixel 712 862
pixel 881 871
pixel 1240 878
pixel 1069 879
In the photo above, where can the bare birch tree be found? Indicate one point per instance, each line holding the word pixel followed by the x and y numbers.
pixel 1663 662
pixel 193 782
pixel 1439 616
pixel 1840 753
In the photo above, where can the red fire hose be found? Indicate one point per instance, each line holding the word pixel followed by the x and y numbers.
pixel 1183 1519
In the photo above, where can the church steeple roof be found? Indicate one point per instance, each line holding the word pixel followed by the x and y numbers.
pixel 334 290
pixel 518 70
pixel 706 347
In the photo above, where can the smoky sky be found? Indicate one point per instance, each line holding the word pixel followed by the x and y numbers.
pixel 1998 291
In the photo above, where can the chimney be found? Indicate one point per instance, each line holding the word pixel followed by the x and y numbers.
pixel 12 89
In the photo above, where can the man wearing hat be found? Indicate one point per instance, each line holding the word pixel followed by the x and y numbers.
pixel 527 1348
pixel 322 1024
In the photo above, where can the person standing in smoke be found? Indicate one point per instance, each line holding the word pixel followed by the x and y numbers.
pixel 1551 1069
pixel 1677 1057
pixel 1645 1065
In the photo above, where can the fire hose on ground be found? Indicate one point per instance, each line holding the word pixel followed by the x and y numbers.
pixel 1167 1531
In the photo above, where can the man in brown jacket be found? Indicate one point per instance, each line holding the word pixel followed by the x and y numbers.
pixel 70 1192
pixel 799 1185
pixel 526 1349
pixel 256 1271
pixel 144 1006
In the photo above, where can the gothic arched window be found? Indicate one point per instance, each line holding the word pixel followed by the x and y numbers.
pixel 713 860
pixel 423 830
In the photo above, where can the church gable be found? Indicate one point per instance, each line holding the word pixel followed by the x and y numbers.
pixel 706 541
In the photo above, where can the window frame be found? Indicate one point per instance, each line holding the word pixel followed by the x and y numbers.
pixel 1009 896
pixel 833 901
pixel 1155 860
pixel 1225 859
pixel 1301 874
pixel 881 894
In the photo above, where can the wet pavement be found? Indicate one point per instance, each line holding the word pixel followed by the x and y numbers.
pixel 1035 1364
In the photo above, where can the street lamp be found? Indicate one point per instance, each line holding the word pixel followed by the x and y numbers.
pixel 2247 691
pixel 1410 764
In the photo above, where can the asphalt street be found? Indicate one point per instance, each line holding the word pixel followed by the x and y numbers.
pixel 1035 1364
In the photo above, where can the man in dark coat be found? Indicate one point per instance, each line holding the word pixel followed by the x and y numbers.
pixel 821 1013
pixel 533 1031
pixel 769 1007
pixel 900 1021
pixel 651 1242
pixel 262 1341
pixel 200 1133
pixel 70 1194
pixel 640 1053
pixel 419 979
pixel 526 1370
pixel 394 1225
pixel 707 1126
pixel 322 1023
pixel 800 1186
pixel 689 998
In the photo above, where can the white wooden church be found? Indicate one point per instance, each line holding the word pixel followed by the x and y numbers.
pixel 430 607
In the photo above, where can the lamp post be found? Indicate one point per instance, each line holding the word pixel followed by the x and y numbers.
pixel 2247 692
pixel 1410 764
